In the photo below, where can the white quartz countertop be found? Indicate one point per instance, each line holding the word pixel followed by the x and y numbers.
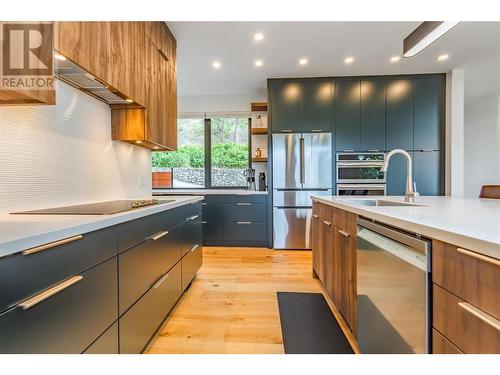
pixel 470 223
pixel 207 191
pixel 20 232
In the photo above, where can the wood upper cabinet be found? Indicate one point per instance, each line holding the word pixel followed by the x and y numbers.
pixel 136 59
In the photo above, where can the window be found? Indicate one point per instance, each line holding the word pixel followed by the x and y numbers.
pixel 216 160
pixel 184 168
pixel 229 151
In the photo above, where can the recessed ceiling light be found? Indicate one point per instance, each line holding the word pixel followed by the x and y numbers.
pixel 216 65
pixel 395 59
pixel 258 36
pixel 349 60
pixel 424 35
pixel 258 63
pixel 138 142
pixel 443 57
pixel 59 57
pixel 156 147
pixel 303 62
pixel 129 100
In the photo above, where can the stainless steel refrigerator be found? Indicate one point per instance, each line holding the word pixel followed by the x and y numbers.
pixel 302 167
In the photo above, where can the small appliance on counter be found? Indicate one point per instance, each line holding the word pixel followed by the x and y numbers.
pixel 250 176
pixel 262 181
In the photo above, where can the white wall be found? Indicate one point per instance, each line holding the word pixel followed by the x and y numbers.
pixel 482 144
pixel 63 154
pixel 217 103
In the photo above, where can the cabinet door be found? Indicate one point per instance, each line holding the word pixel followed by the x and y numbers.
pixel 373 115
pixel 285 106
pixel 121 56
pixel 427 172
pixel 348 115
pixel 316 240
pixel 317 106
pixel 191 263
pixel 428 118
pixel 399 114
pixel 396 175
pixel 107 343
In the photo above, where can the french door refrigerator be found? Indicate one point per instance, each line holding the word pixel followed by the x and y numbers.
pixel 302 167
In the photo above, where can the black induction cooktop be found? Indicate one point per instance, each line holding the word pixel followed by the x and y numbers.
pixel 99 208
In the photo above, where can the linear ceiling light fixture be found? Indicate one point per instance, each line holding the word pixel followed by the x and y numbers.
pixel 424 35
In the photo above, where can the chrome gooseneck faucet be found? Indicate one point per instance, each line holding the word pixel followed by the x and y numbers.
pixel 411 187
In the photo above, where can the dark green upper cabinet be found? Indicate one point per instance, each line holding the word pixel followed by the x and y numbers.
pixel 399 114
pixel 285 106
pixel 317 105
pixel 348 115
pixel 428 172
pixel 373 115
pixel 428 94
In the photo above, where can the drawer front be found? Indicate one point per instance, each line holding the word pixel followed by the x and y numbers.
pixel 66 322
pixel 191 263
pixel 212 199
pixel 22 276
pixel 192 233
pixel 471 276
pixel 245 212
pixel 468 328
pixel 344 220
pixel 441 345
pixel 107 343
pixel 244 231
pixel 212 213
pixel 212 232
pixel 138 324
pixel 143 265
pixel 132 233
pixel 245 198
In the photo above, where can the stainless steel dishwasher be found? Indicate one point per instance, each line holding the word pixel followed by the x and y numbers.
pixel 393 290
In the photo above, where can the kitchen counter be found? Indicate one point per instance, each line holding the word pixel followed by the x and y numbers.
pixel 470 223
pixel 20 232
pixel 159 192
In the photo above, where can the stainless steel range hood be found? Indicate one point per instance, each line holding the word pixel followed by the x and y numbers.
pixel 75 76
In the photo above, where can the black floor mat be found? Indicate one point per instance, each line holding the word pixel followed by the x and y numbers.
pixel 308 325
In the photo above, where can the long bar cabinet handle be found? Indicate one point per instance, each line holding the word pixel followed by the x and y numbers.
pixel 344 233
pixel 158 235
pixel 315 216
pixel 52 244
pixel 162 279
pixel 327 223
pixel 194 248
pixel 243 204
pixel 478 256
pixel 495 323
pixel 49 292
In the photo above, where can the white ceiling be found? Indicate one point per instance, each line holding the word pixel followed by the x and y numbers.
pixel 473 46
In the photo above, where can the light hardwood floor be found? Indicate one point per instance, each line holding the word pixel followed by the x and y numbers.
pixel 232 306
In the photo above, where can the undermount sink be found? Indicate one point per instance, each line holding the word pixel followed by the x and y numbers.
pixel 381 202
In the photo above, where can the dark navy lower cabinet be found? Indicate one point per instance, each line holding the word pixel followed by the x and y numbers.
pixel 139 324
pixel 67 321
pixel 191 263
pixel 107 343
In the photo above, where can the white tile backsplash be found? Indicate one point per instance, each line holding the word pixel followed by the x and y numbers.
pixel 63 154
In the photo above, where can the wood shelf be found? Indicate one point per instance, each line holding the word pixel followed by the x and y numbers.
pixel 259 160
pixel 257 131
pixel 258 106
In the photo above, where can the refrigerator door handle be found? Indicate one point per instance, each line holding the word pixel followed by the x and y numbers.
pixel 302 166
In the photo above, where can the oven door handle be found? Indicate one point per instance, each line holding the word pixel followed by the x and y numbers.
pixel 359 164
pixel 362 186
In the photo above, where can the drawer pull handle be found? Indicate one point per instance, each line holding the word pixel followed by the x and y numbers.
pixel 344 233
pixel 204 222
pixel 158 235
pixel 484 258
pixel 49 292
pixel 203 204
pixel 162 279
pixel 194 248
pixel 327 223
pixel 52 244
pixel 315 216
pixel 243 222
pixel 194 217
pixel 286 130
pixel 495 323
pixel 316 130
pixel 243 204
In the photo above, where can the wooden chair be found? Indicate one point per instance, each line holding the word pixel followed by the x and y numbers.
pixel 490 191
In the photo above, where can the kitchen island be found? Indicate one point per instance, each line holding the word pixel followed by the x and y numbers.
pixel 463 260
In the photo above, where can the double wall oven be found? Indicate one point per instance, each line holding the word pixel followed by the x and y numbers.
pixel 358 173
